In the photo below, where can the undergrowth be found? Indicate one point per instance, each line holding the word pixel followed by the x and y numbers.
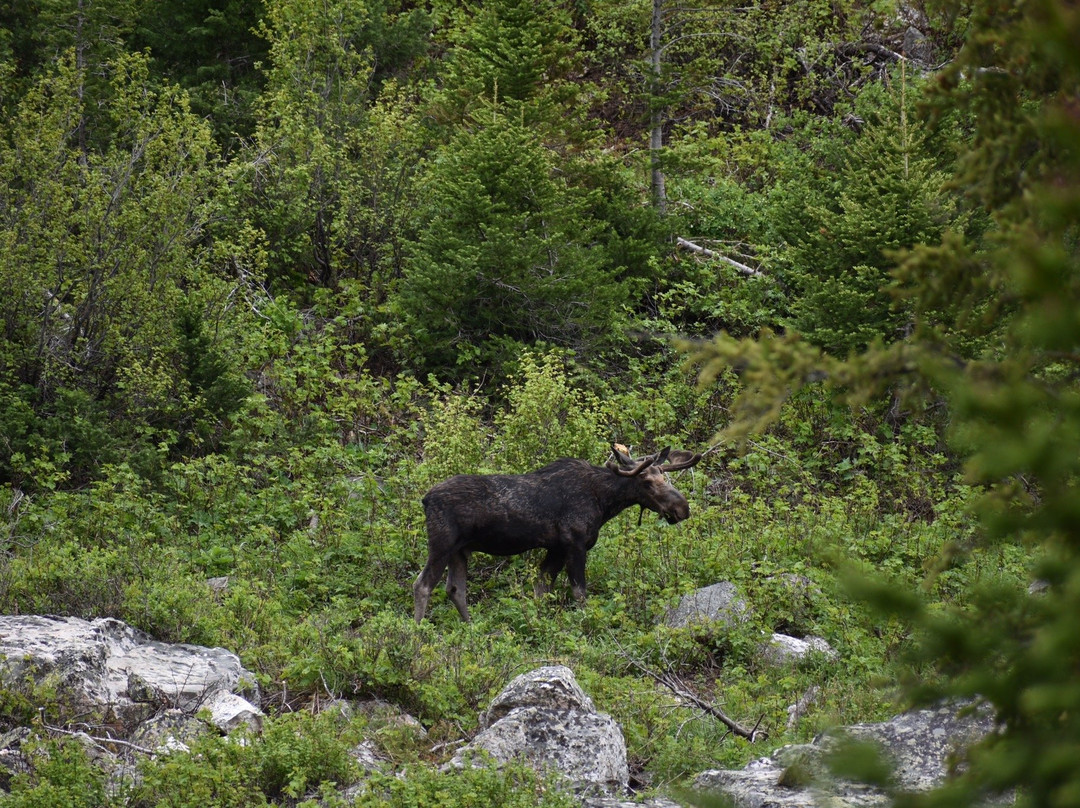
pixel 320 542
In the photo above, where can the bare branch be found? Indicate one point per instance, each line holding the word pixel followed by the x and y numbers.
pixel 99 741
pixel 679 688
pixel 854 48
pixel 696 248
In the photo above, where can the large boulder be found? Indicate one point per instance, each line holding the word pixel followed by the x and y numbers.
pixel 917 743
pixel 544 718
pixel 722 605
pixel 120 675
pixel 719 603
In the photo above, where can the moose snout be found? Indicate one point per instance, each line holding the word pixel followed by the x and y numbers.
pixel 677 512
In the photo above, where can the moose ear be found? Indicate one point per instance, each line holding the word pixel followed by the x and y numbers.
pixel 622 455
pixel 624 465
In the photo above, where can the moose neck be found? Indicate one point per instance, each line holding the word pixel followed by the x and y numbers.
pixel 621 493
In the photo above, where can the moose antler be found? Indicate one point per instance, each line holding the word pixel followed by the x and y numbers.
pixel 680 459
pixel 628 467
pixel 667 459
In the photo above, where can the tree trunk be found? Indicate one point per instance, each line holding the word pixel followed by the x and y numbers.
pixel 656 119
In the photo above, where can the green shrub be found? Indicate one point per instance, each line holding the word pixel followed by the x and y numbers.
pixel 510 786
pixel 61 576
pixel 299 752
pixel 546 417
pixel 62 775
pixel 216 773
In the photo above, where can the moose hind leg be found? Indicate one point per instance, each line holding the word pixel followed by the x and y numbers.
pixel 455 583
pixel 550 568
pixel 425 583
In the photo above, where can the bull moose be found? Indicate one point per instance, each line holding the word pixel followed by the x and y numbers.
pixel 559 508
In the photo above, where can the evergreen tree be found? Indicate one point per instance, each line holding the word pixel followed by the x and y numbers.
pixel 210 48
pixel 506 251
pixel 889 196
pixel 518 54
pixel 1014 408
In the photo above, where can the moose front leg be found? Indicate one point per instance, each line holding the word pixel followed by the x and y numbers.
pixel 550 568
pixel 575 571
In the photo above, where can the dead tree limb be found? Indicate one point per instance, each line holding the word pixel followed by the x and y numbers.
pixel 677 687
pixel 697 248
pixel 101 743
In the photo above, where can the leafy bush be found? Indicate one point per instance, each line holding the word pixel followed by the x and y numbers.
pixel 62 774
pixel 510 786
pixel 298 753
pixel 546 416
pixel 217 773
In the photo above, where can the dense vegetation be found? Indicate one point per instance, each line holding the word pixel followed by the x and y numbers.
pixel 268 270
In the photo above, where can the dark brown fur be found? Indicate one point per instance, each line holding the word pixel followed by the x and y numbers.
pixel 559 508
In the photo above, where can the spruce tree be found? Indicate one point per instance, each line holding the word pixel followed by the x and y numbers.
pixel 1013 402
pixel 888 197
pixel 507 253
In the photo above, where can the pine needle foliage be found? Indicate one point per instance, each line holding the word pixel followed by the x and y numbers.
pixel 1014 407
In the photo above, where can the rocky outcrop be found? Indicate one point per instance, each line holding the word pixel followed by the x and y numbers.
pixel 918 744
pixel 121 676
pixel 721 604
pixel 154 698
pixel 545 718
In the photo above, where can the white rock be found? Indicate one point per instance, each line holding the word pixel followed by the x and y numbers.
pixel 918 743
pixel 229 712
pixel 553 687
pixel 544 718
pixel 782 649
pixel 94 661
pixel 719 603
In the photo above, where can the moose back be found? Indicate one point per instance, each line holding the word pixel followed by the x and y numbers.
pixel 559 508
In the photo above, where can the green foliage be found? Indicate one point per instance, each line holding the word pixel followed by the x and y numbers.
pixel 27 694
pixel 514 786
pixel 298 753
pixel 201 364
pixel 107 241
pixel 1013 410
pixel 33 35
pixel 546 416
pixel 506 254
pixel 62 776
pixel 44 444
pixel 217 390
pixel 209 47
pixel 217 772
pixel 885 198
pixel 515 56
pixel 455 441
pixel 324 178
